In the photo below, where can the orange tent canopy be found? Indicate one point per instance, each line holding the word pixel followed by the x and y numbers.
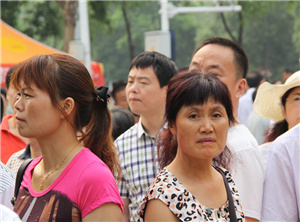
pixel 17 47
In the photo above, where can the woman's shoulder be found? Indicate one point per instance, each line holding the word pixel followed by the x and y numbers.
pixel 165 187
pixel 90 165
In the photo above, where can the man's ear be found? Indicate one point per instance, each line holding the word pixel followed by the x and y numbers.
pixel 241 86
pixel 68 105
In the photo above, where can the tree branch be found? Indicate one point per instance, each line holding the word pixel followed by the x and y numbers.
pixel 240 28
pixel 127 23
pixel 61 3
pixel 226 27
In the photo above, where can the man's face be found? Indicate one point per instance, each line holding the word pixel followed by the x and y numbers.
pixel 121 99
pixel 220 61
pixel 143 92
pixel 12 95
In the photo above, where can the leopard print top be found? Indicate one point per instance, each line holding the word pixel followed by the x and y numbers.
pixel 183 204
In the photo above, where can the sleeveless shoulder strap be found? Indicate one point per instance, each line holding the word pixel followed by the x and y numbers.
pixel 19 179
pixel 232 213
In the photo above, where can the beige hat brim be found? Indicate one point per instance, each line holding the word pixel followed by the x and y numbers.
pixel 267 102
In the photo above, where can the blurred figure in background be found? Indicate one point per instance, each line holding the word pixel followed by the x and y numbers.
pixel 122 120
pixel 286 73
pixel 258 125
pixel 32 150
pixel 5 102
pixel 254 79
pixel 11 140
pixel 2 109
pixel 119 95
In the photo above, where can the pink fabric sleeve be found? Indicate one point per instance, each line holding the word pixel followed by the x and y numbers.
pixel 97 186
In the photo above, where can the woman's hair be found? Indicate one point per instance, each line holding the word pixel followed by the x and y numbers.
pixel 63 76
pixel 281 126
pixel 122 120
pixel 186 89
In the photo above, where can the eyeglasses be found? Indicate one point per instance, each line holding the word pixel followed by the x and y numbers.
pixel 295 99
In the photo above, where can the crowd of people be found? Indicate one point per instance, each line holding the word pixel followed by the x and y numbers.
pixel 207 142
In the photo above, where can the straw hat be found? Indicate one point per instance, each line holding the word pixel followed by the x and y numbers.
pixel 268 98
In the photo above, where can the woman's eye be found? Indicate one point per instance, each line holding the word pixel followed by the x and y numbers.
pixel 193 116
pixel 297 98
pixel 216 115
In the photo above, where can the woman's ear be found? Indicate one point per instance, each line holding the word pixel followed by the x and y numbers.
pixel 172 128
pixel 68 105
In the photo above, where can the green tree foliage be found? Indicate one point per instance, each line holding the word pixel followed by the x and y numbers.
pixel 41 20
pixel 269 31
pixel 110 42
pixel 10 11
pixel 268 41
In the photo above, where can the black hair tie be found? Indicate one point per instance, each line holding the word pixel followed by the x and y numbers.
pixel 102 94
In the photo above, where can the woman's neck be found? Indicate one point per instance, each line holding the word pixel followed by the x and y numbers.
pixel 191 168
pixel 54 148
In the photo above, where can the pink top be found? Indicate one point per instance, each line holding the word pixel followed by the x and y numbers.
pixel 84 185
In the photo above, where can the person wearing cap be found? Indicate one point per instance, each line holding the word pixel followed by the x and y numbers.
pixel 280 103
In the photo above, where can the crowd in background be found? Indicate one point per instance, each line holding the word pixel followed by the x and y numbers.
pixel 210 141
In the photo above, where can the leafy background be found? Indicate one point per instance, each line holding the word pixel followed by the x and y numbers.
pixel 269 31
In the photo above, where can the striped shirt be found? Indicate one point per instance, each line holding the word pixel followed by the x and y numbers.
pixel 7 184
pixel 138 155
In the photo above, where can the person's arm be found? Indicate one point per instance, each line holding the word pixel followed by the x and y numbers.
pixel 106 212
pixel 125 216
pixel 157 211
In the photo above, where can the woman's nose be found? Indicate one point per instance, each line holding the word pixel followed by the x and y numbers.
pixel 206 126
pixel 19 105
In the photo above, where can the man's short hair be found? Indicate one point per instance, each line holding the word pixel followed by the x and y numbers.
pixel 117 87
pixel 8 76
pixel 164 68
pixel 254 79
pixel 240 57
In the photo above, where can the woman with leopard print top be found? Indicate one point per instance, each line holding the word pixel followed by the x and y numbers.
pixel 189 187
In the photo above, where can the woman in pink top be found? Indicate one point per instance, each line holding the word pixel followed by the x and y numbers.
pixel 73 179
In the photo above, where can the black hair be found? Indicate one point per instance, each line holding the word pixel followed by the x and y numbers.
pixel 164 68
pixel 281 126
pixel 254 78
pixel 188 89
pixel 122 120
pixel 8 76
pixel 240 57
pixel 117 87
